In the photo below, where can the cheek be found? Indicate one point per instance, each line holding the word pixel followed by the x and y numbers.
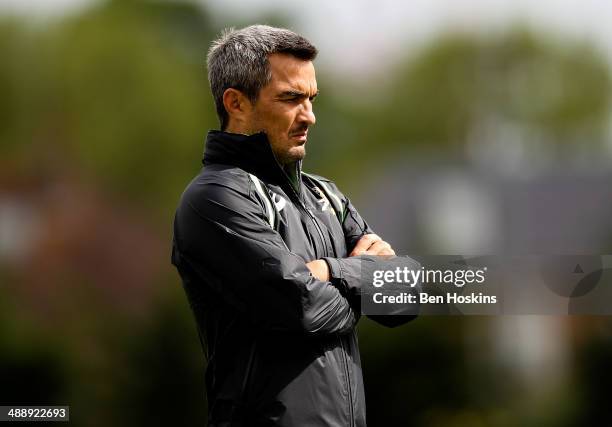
pixel 289 120
pixel 279 121
pixel 282 123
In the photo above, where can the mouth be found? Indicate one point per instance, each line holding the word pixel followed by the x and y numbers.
pixel 301 136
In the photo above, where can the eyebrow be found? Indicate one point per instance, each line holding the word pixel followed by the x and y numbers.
pixel 296 94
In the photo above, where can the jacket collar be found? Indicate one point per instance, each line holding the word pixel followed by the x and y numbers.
pixel 251 153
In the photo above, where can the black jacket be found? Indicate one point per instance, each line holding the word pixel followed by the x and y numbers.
pixel 281 345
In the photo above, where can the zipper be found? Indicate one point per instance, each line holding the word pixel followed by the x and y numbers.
pixel 301 204
pixel 348 379
pixel 326 252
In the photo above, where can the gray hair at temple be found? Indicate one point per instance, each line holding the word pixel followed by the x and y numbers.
pixel 239 59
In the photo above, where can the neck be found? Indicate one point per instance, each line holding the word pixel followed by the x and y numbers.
pixel 238 128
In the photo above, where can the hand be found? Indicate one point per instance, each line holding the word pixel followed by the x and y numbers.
pixel 372 244
pixel 319 269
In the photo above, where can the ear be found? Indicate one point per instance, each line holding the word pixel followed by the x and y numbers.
pixel 238 106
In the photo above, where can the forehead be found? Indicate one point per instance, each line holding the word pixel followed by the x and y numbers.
pixel 291 73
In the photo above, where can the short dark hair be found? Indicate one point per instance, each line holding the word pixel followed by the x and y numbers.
pixel 239 59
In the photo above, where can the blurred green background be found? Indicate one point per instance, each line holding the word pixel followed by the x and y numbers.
pixel 103 114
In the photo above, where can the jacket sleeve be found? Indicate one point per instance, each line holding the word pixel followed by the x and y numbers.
pixel 353 274
pixel 222 235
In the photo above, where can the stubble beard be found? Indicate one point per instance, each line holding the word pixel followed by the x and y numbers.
pixel 284 155
pixel 287 156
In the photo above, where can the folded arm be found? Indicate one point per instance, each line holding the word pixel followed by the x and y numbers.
pixel 222 234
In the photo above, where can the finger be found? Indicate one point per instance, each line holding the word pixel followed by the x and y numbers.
pixel 364 243
pixel 386 251
pixel 379 248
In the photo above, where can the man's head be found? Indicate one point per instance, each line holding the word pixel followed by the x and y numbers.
pixel 262 79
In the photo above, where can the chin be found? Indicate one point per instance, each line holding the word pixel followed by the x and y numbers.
pixel 297 153
pixel 293 155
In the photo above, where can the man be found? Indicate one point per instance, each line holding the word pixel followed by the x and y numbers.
pixel 271 268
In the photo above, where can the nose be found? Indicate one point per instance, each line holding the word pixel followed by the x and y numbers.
pixel 306 114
